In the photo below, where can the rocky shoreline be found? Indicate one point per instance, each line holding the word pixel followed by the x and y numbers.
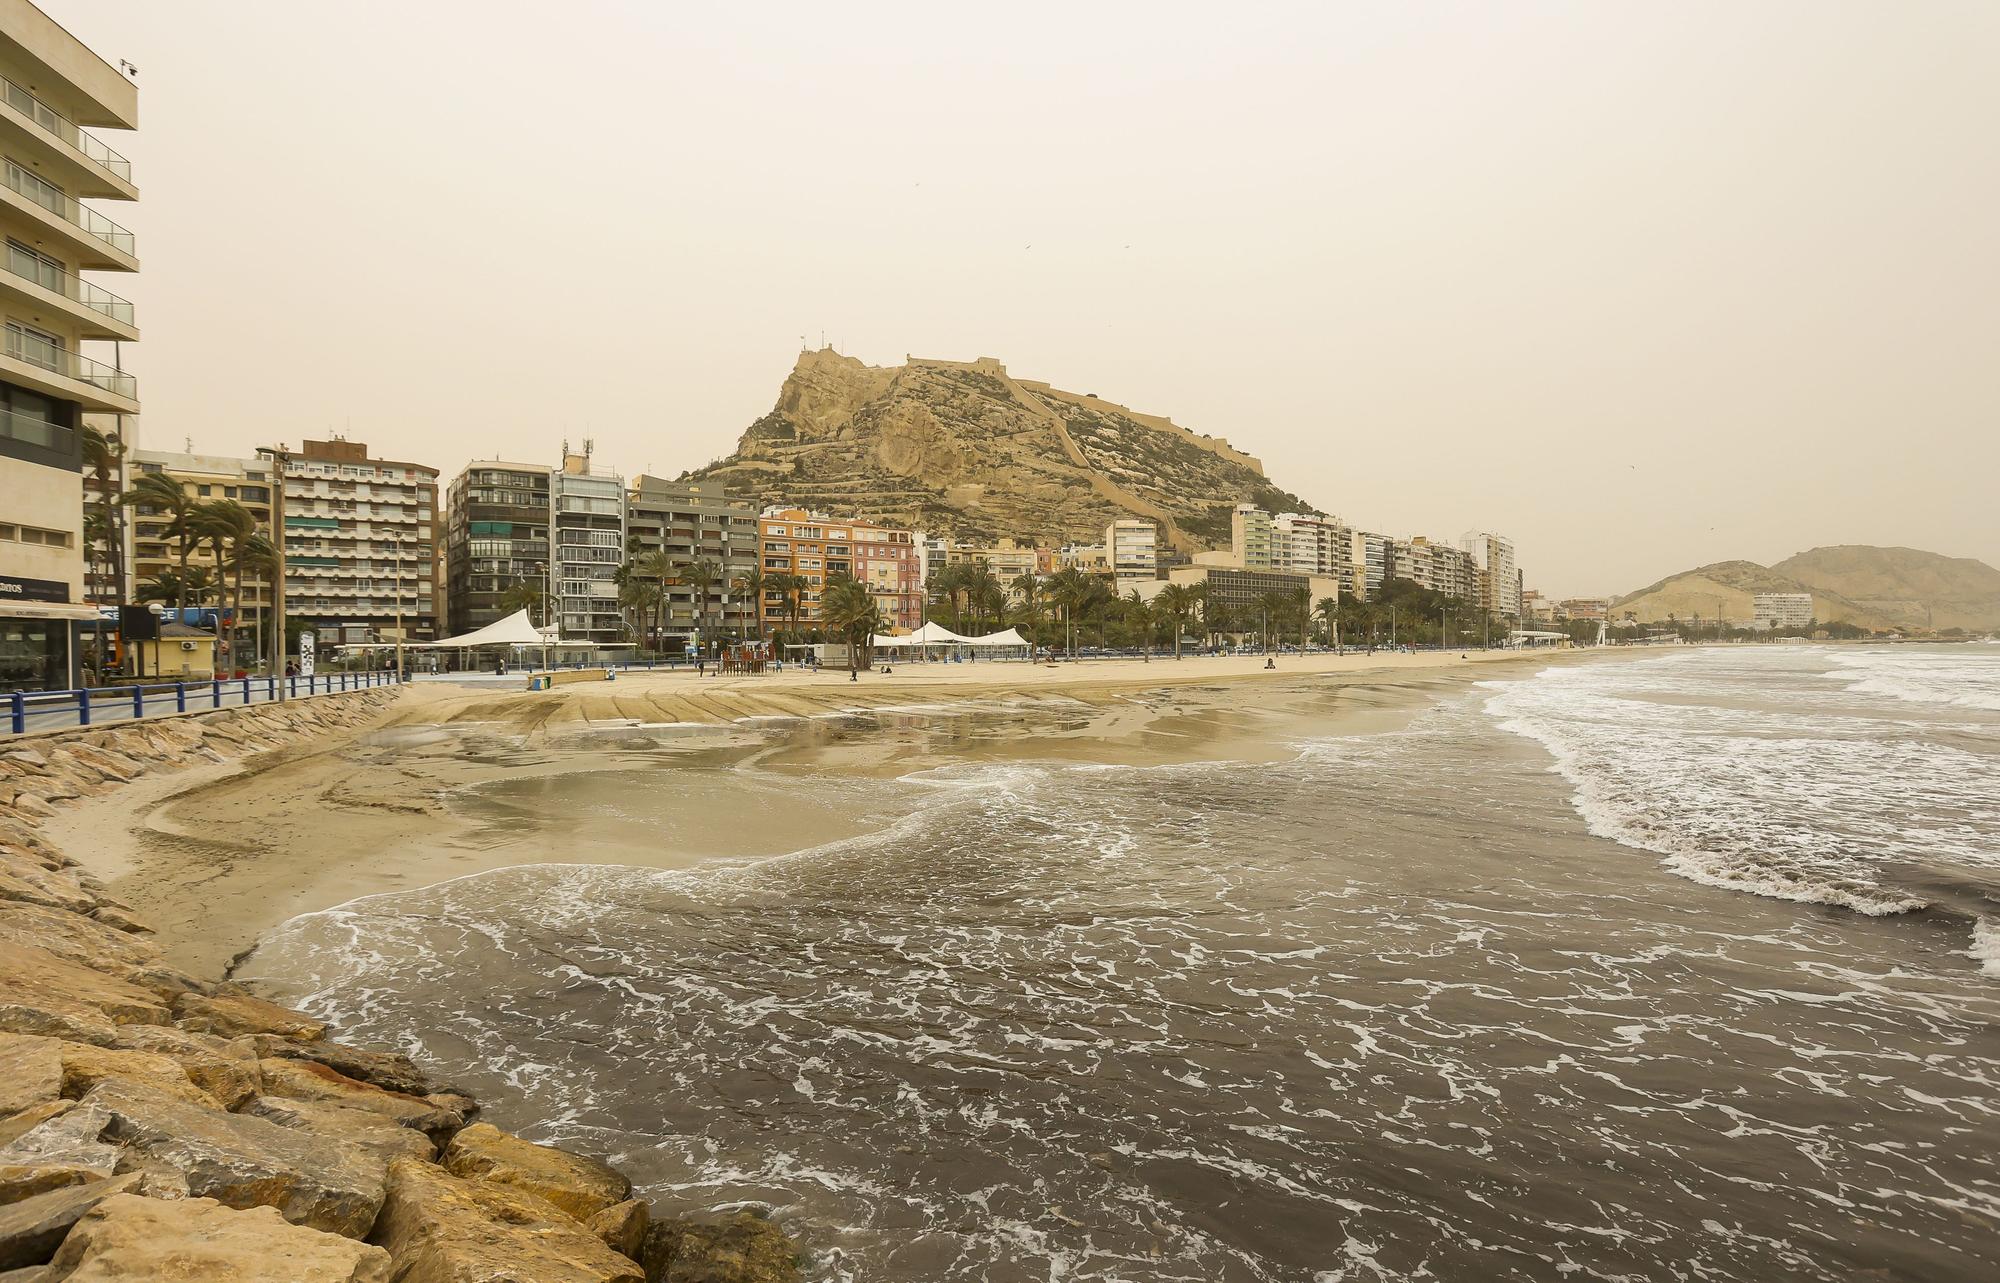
pixel 157 1125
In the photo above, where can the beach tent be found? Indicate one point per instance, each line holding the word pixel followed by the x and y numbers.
pixel 1007 640
pixel 515 630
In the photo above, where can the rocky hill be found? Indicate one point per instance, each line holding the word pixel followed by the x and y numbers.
pixel 964 449
pixel 1873 587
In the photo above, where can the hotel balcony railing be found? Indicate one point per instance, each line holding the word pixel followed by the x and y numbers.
pixel 71 287
pixel 55 123
pixel 72 211
pixel 33 431
pixel 71 365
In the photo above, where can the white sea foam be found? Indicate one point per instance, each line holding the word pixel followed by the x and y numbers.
pixel 1745 772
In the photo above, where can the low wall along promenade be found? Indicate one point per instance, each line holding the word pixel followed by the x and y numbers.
pixel 155 1124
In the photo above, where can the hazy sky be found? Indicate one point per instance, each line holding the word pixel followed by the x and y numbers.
pixel 1643 286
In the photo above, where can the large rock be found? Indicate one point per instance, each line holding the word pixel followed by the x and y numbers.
pixel 441 1229
pixel 218 1066
pixel 622 1227
pixel 16 1125
pixel 231 1015
pixel 242 1161
pixel 581 1186
pixel 31 1072
pixel 388 1070
pixel 24 881
pixel 31 1229
pixel 85 1066
pixel 69 1140
pixel 376 1133
pixel 309 1080
pixel 42 994
pixel 199 1240
pixel 72 937
pixel 743 1248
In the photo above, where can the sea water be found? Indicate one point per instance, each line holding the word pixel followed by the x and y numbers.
pixel 1643 970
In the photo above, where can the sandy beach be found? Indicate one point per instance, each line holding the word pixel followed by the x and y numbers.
pixel 218 857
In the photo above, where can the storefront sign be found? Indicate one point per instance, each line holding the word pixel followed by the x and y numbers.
pixel 12 589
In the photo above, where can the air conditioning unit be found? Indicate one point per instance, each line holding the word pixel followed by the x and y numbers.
pixel 187 645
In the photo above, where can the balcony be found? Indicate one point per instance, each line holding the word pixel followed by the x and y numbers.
pixel 102 314
pixel 96 169
pixel 58 372
pixel 95 241
pixel 36 432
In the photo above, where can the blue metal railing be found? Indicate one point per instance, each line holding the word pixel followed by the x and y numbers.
pixel 91 706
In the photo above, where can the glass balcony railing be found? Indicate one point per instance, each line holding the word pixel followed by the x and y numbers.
pixel 69 209
pixel 33 431
pixel 23 346
pixel 55 123
pixel 57 281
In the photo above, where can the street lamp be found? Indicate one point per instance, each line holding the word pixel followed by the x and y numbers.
pixel 274 663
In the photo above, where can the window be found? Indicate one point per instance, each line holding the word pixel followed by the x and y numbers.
pixel 35 265
pixel 36 347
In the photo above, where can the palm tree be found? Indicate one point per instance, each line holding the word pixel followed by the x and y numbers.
pixel 103 455
pixel 659 568
pixel 1179 602
pixel 1329 613
pixel 850 612
pixel 173 585
pixel 983 592
pixel 530 595
pixel 1069 589
pixel 751 582
pixel 636 600
pixel 208 522
pixel 945 586
pixel 1026 585
pixel 258 555
pixel 1141 615
pixel 699 574
pixel 166 497
pixel 228 519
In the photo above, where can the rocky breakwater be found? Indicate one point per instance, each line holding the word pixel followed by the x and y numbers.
pixel 156 1125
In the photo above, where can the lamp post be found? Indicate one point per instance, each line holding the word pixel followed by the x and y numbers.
pixel 274 663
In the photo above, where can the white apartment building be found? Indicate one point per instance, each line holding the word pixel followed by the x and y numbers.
pixel 1782 609
pixel 361 538
pixel 1370 559
pixel 1132 548
pixel 59 362
pixel 1250 537
pixel 1311 544
pixel 1439 567
pixel 587 512
pixel 1499 578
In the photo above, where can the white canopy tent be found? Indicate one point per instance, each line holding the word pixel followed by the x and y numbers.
pixel 937 635
pixel 515 630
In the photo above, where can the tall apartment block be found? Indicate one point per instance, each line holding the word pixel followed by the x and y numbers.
pixel 496 538
pixel 890 564
pixel 59 362
pixel 1132 547
pixel 1250 536
pixel 360 544
pixel 692 521
pixel 1440 567
pixel 1370 557
pixel 587 540
pixel 205 477
pixel 1499 580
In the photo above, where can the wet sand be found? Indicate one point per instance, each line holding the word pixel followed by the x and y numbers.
pixel 456 782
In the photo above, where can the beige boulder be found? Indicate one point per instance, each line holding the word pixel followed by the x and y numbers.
pixel 232 1015
pixel 389 1070
pixel 64 1148
pixel 216 1065
pixel 74 938
pixel 376 1133
pixel 441 1229
pixel 579 1185
pixel 29 1068
pixel 309 1080
pixel 85 1066
pixel 128 1239
pixel 42 994
pixel 19 1124
pixel 31 1229
pixel 622 1227
pixel 241 1161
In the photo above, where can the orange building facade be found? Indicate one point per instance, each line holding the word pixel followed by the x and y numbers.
pixel 817 549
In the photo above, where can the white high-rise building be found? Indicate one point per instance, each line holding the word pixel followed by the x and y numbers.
pixel 1370 561
pixel 1250 536
pixel 587 508
pixel 51 87
pixel 1132 549
pixel 1499 578
pixel 1312 544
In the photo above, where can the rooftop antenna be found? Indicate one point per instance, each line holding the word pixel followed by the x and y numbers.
pixel 128 69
